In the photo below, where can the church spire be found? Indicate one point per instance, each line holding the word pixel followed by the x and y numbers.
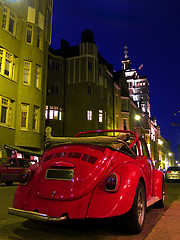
pixel 126 63
pixel 126 52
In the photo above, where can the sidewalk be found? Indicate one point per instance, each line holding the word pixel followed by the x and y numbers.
pixel 168 227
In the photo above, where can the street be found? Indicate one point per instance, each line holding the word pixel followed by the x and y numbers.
pixel 15 228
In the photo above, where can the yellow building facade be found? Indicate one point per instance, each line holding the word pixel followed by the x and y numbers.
pixel 25 35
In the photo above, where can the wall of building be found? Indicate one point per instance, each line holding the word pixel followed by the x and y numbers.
pixel 25 37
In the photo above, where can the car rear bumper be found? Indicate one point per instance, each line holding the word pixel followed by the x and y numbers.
pixel 36 216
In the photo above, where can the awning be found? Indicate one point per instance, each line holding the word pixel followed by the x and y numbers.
pixel 24 150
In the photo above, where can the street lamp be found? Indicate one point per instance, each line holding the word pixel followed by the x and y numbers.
pixel 137 117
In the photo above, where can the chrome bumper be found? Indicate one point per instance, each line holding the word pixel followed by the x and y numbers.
pixel 35 216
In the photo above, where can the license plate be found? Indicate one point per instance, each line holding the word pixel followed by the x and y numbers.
pixel 59 174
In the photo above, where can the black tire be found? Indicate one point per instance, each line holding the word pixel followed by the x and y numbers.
pixel 160 203
pixel 9 183
pixel 134 219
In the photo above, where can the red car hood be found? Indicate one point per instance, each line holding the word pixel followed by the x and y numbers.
pixel 69 172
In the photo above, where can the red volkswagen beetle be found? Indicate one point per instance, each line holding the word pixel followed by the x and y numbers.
pixel 91 177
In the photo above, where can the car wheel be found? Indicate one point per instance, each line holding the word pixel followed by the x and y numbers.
pixel 9 183
pixel 160 203
pixel 134 219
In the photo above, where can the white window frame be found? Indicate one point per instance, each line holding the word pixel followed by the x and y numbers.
pixel 29 32
pixel 24 114
pixel 8 18
pixel 38 74
pixel 36 114
pixel 8 104
pixel 6 63
pixel 27 72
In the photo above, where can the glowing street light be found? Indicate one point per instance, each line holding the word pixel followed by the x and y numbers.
pixel 137 117
pixel 170 154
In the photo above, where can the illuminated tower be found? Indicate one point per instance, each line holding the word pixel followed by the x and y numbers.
pixel 25 35
pixel 138 86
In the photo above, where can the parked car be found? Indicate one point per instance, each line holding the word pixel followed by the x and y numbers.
pixel 173 174
pixel 11 169
pixel 91 177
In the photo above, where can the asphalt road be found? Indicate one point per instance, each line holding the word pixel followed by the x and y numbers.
pixel 15 228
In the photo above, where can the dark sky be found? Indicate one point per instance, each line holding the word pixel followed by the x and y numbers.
pixel 150 29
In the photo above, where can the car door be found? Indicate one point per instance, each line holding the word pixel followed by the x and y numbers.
pixel 11 171
pixel 147 167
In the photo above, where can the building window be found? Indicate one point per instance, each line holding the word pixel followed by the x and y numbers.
pixel 125 123
pixel 60 114
pixel 31 3
pixel 100 116
pixel 55 64
pixel 89 65
pixel 89 115
pixel 29 34
pixel 46 112
pixel 9 21
pixel 24 115
pixel 89 90
pixel 38 76
pixel 27 70
pixel 6 63
pixel 36 119
pixel 6 110
pixel 54 89
pixel 53 112
pixel 125 106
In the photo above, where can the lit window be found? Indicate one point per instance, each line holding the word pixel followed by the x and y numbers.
pixel 29 34
pixel 89 115
pixel 27 69
pixel 38 77
pixel 24 115
pixel 9 21
pixel 6 109
pixel 36 118
pixel 60 114
pixel 46 112
pixel 101 116
pixel 55 113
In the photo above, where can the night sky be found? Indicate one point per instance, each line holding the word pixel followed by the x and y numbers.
pixel 150 29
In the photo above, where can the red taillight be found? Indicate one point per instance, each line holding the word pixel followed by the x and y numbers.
pixel 112 183
pixel 168 171
pixel 25 176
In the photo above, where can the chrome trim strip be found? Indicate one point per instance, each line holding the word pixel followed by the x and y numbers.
pixel 35 216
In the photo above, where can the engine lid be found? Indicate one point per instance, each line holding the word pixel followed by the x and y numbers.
pixel 69 172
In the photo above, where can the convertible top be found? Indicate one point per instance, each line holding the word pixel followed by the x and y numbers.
pixel 116 142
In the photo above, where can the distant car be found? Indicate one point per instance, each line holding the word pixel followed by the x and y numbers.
pixel 91 177
pixel 173 174
pixel 11 169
